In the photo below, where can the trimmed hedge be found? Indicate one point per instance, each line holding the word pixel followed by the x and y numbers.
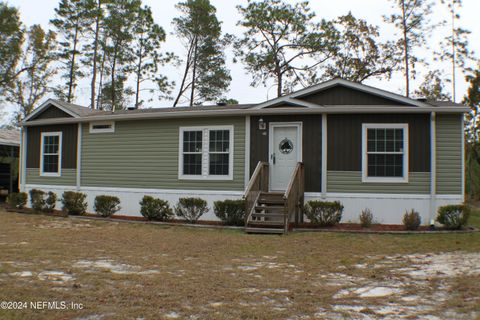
pixel 37 200
pixel 412 220
pixel 231 212
pixel 155 209
pixel 324 213
pixel 106 206
pixel 453 216
pixel 191 209
pixel 74 202
pixel 17 200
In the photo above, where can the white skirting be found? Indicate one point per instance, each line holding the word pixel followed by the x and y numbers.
pixel 130 198
pixel 386 208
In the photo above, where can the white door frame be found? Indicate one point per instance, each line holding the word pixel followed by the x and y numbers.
pixel 272 125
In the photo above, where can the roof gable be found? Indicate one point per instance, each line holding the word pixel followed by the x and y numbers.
pixel 51 112
pixel 343 92
pixel 58 109
pixel 342 95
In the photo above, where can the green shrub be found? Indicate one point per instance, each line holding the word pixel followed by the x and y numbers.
pixel 37 199
pixel 411 220
pixel 50 202
pixel 106 206
pixel 366 218
pixel 17 200
pixel 74 202
pixel 453 216
pixel 324 213
pixel 231 212
pixel 191 208
pixel 155 209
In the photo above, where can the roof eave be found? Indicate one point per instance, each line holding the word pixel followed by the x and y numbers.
pixel 246 112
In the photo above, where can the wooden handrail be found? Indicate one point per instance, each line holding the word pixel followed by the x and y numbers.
pixel 293 196
pixel 258 183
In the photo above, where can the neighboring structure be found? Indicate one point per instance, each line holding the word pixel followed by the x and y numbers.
pixel 363 146
pixel 9 147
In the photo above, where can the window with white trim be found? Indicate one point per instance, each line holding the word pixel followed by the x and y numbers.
pixel 206 153
pixel 51 154
pixel 385 153
pixel 102 127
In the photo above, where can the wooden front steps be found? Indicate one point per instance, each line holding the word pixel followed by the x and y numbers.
pixel 271 212
pixel 268 214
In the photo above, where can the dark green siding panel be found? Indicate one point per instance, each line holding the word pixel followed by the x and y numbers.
pixel 449 134
pixel 351 182
pixel 68 178
pixel 144 154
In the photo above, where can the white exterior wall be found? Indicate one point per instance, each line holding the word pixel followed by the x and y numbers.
pixel 130 198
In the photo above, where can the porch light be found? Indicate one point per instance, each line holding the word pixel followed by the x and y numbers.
pixel 261 124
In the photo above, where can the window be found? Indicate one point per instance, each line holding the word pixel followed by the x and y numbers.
pixel 385 153
pixel 51 154
pixel 206 153
pixel 102 127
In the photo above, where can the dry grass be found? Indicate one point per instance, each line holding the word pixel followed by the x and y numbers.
pixel 127 271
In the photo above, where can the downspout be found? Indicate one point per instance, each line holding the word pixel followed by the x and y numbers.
pixel 324 156
pixel 23 158
pixel 463 157
pixel 79 156
pixel 433 166
pixel 247 152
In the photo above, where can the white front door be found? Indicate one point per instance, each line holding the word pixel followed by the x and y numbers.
pixel 285 152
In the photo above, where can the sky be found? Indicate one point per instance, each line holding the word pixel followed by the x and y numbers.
pixel 41 11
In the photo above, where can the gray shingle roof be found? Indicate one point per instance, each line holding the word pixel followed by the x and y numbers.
pixel 10 137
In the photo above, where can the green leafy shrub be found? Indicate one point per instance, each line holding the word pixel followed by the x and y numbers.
pixel 155 209
pixel 191 209
pixel 17 200
pixel 324 213
pixel 37 199
pixel 453 216
pixel 411 220
pixel 231 212
pixel 50 202
pixel 106 206
pixel 74 202
pixel 366 218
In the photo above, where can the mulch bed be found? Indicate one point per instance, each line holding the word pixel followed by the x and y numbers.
pixel 341 227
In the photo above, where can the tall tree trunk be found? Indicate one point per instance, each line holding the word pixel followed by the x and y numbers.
pixel 72 66
pixel 453 51
pixel 114 63
pixel 100 90
pixel 194 71
pixel 95 53
pixel 405 50
pixel 139 74
pixel 185 74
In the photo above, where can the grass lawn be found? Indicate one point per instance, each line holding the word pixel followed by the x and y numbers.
pixel 127 271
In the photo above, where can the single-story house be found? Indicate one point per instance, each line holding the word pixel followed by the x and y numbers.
pixel 9 150
pixel 337 140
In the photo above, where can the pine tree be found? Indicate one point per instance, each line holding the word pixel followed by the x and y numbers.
pixel 411 20
pixel 71 21
pixel 360 54
pixel 205 75
pixel 149 58
pixel 283 44
pixel 28 90
pixel 454 47
pixel 11 40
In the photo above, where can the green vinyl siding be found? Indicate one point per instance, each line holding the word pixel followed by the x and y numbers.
pixel 144 154
pixel 449 154
pixel 351 182
pixel 68 177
